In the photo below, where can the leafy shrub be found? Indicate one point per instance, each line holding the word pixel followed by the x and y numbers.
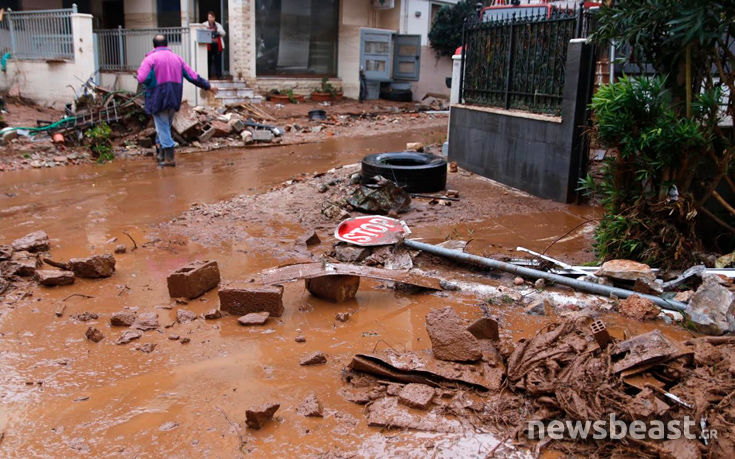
pixel 446 31
pixel 99 142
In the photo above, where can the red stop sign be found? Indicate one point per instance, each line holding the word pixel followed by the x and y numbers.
pixel 371 230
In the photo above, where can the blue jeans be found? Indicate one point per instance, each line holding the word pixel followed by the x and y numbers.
pixel 163 120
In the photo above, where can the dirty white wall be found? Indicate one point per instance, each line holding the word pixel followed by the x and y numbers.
pixel 48 82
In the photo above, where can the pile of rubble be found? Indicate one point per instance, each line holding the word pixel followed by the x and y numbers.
pixel 23 259
pixel 570 370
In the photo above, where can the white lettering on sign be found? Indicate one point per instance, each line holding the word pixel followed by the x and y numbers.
pixel 370 229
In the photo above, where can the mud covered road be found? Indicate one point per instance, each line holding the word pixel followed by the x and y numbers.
pixel 63 396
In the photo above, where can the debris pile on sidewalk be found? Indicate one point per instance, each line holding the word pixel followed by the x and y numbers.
pixel 565 372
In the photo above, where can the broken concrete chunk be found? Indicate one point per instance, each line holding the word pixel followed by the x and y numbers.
pixel 6 252
pixel 212 314
pixel 310 407
pixel 146 321
pixel 711 308
pixel 484 328
pixel 183 316
pixel 415 146
pixel 257 417
pixel 449 338
pixel 33 242
pixel 262 135
pixel 24 263
pixel 121 248
pixel 53 277
pixel 85 316
pixel 537 308
pixel 336 288
pixel 147 347
pixel 626 270
pixel 93 267
pixel 342 316
pixel 221 129
pixel 416 395
pixel 122 319
pixel 315 358
pixel 184 120
pixel 254 318
pixel 310 238
pixel 350 253
pixel 128 336
pixel 638 308
pixel 241 299
pixel 94 335
pixel 193 280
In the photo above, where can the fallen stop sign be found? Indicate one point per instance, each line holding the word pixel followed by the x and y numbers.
pixel 371 230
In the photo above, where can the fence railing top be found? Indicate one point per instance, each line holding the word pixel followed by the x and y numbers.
pixel 147 30
pixel 68 11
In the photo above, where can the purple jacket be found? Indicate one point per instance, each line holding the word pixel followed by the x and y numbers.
pixel 162 72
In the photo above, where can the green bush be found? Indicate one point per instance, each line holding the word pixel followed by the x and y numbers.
pixel 99 142
pixel 446 30
pixel 647 186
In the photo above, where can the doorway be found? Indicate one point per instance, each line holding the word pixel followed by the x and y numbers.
pixel 219 8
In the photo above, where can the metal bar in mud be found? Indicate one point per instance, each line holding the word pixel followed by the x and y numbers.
pixel 590 287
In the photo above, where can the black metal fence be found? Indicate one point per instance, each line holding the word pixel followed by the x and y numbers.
pixel 519 62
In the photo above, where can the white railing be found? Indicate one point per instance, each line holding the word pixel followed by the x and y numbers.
pixel 44 34
pixel 120 50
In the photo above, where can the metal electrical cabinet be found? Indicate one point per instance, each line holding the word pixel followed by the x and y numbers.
pixel 388 57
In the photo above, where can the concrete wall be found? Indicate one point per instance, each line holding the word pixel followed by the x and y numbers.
pixel 242 39
pixel 434 71
pixel 539 154
pixel 421 24
pixel 47 82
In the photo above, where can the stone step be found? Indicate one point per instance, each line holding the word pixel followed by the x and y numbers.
pixel 222 101
pixel 226 84
pixel 232 92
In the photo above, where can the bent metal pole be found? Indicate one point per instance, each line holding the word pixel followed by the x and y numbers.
pixel 590 287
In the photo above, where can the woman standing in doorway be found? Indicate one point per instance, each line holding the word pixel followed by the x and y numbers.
pixel 214 50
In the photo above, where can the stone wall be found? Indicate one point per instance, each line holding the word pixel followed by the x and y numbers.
pixel 242 40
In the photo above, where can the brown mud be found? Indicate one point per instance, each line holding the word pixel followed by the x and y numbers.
pixel 62 395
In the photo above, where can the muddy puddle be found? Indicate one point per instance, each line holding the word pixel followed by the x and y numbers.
pixel 63 396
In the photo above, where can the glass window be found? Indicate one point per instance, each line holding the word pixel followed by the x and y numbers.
pixel 296 37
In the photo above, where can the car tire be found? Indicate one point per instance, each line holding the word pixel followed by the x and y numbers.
pixel 415 172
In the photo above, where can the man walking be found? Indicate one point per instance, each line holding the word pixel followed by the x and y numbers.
pixel 162 72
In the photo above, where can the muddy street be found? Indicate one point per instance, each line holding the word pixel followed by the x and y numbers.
pixel 183 387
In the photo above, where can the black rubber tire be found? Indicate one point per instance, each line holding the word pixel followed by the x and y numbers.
pixel 416 172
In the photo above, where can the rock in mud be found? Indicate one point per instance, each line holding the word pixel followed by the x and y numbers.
pixel 122 319
pixel 6 252
pixel 300 339
pixel 146 321
pixel 94 335
pixel 342 316
pixel 241 299
pixel 121 249
pixel 86 316
pixel 518 281
pixel 484 328
pixel 358 395
pixel 212 314
pixel 350 253
pixel 626 270
pixel 147 347
pixel 254 318
pixel 310 407
pixel 257 417
pixel 53 277
pixel 337 288
pixel 184 316
pixel 193 280
pixel 34 242
pixel 712 308
pixel 315 358
pixel 416 395
pixel 93 267
pixel 310 238
pixel 537 308
pixel 540 284
pixel 24 263
pixel 638 308
pixel 128 336
pixel 449 338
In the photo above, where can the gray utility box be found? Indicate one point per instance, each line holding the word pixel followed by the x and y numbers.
pixel 386 56
pixel 204 36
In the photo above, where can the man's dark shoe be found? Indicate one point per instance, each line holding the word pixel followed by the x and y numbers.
pixel 169 156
